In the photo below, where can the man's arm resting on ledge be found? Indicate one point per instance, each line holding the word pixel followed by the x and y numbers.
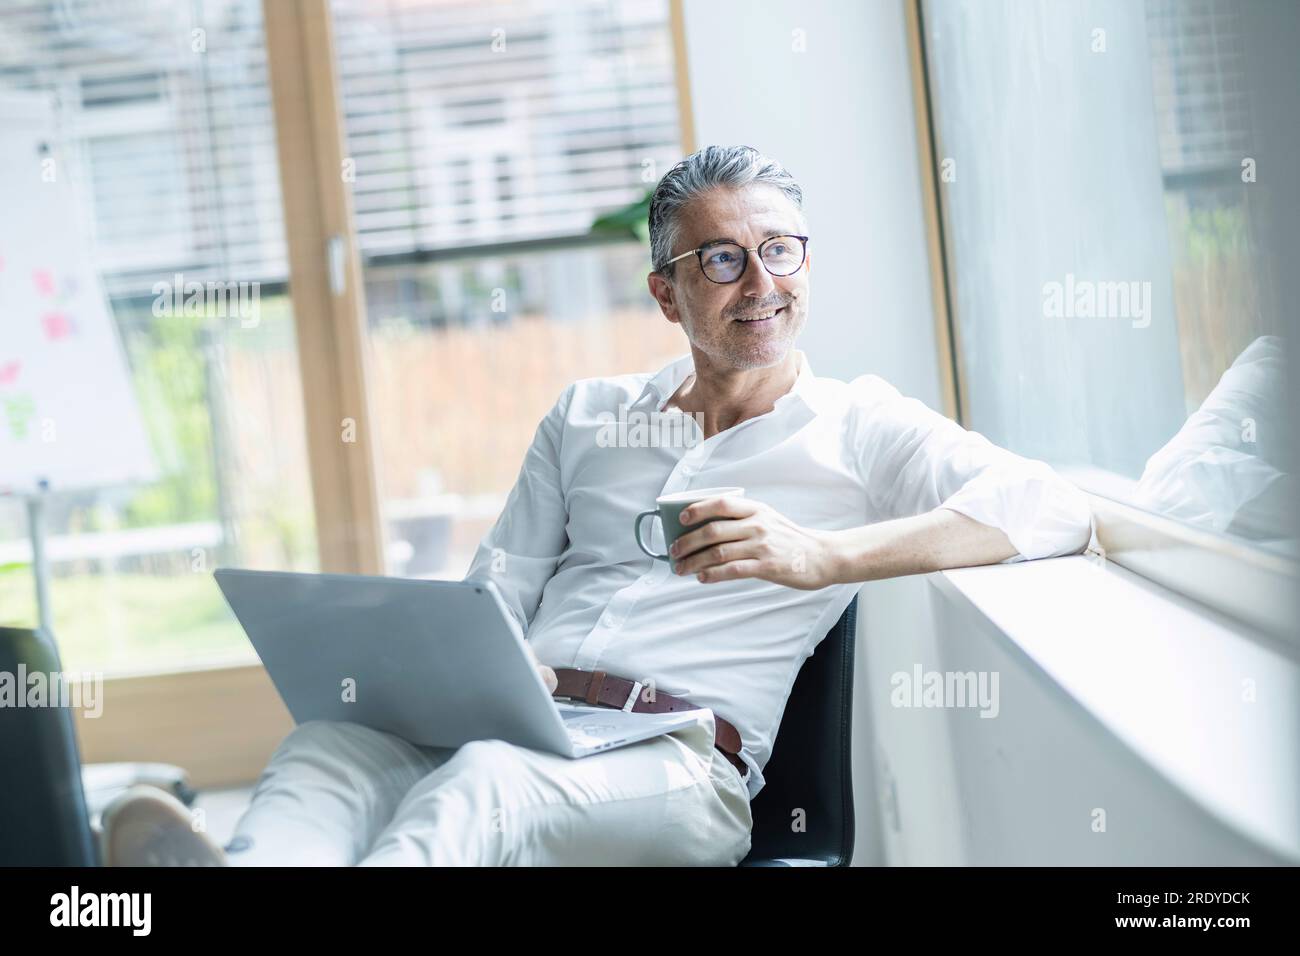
pixel 933 541
pixel 761 543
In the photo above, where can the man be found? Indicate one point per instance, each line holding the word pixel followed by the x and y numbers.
pixel 844 483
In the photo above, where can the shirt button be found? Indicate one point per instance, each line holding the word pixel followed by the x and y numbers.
pixel 607 619
pixel 686 472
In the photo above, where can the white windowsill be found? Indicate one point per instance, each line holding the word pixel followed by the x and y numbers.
pixel 1164 676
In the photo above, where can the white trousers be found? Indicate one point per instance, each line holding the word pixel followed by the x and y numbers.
pixel 340 794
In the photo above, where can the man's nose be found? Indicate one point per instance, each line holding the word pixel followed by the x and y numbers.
pixel 756 281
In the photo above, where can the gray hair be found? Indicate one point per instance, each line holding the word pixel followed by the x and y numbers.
pixel 733 167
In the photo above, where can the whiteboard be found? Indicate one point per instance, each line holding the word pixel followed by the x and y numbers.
pixel 67 411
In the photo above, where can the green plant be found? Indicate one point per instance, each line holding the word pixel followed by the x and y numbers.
pixel 632 220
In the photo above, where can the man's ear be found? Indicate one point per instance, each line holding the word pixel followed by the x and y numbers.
pixel 664 293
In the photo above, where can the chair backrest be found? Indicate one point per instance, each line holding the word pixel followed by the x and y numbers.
pixel 811 766
pixel 43 819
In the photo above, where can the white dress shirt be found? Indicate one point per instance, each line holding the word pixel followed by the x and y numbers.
pixel 829 455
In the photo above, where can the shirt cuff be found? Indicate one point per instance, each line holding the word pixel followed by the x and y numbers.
pixel 1042 514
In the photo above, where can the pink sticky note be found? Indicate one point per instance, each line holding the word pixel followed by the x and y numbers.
pixel 9 372
pixel 44 281
pixel 57 325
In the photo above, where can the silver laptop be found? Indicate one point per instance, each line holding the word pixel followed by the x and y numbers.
pixel 439 663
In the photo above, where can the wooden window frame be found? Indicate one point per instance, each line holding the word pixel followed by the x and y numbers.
pixel 222 724
pixel 682 75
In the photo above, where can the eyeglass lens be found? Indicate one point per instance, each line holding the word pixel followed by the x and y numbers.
pixel 725 261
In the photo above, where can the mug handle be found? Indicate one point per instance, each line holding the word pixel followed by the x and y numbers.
pixel 636 532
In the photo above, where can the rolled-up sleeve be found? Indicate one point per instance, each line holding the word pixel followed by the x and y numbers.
pixel 521 551
pixel 913 460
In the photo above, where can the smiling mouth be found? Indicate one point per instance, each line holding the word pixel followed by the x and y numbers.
pixel 762 317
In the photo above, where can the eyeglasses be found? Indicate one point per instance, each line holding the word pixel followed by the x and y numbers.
pixel 724 262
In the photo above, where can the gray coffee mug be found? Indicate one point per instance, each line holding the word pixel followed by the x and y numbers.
pixel 669 512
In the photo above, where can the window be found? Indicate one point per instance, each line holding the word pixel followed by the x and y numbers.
pixel 485 141
pixel 165 129
pixel 1108 268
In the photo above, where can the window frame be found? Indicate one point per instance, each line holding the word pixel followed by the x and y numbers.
pixel 222 724
pixel 1250 585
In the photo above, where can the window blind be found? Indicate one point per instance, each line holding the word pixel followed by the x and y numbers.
pixel 467 123
pixel 473 123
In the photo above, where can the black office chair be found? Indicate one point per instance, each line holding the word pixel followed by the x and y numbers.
pixel 43 820
pixel 811 767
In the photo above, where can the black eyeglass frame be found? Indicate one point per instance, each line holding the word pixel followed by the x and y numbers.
pixel 699 254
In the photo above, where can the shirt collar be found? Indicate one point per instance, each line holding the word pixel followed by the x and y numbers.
pixel 666 381
pixel 663 383
pixel 806 387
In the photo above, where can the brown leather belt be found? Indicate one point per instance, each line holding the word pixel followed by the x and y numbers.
pixel 608 690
